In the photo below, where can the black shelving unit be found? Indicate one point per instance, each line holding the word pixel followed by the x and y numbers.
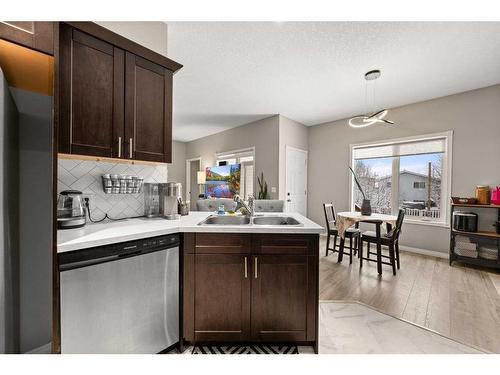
pixel 490 235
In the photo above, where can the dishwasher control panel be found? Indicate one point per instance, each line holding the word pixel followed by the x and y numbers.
pixel 99 254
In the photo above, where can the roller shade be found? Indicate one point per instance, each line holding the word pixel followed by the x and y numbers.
pixel 426 146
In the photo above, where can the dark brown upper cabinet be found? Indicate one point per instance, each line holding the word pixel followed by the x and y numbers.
pixel 113 102
pixel 35 35
pixel 148 114
pixel 92 95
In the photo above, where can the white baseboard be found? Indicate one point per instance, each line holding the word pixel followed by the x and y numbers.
pixel 44 349
pixel 431 253
pixel 416 250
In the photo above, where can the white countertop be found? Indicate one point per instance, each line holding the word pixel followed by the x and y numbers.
pixel 109 232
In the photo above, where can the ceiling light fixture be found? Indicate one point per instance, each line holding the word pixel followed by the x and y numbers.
pixel 363 121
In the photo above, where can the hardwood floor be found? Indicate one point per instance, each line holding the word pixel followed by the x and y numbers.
pixel 459 302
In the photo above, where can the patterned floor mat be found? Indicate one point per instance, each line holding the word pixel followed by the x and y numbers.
pixel 245 349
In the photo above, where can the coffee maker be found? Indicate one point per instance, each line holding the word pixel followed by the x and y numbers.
pixel 170 199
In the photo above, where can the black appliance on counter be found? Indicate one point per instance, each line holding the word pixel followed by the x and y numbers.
pixel 465 221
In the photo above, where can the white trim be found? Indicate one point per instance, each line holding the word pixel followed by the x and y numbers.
pixel 44 349
pixel 416 250
pixel 440 224
pixel 287 147
pixel 430 253
pixel 188 176
pixel 419 137
pixel 249 150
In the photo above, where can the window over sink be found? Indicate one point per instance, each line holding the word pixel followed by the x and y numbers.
pixel 411 173
pixel 245 158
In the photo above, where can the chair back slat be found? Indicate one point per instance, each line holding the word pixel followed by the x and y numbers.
pixel 330 217
pixel 399 224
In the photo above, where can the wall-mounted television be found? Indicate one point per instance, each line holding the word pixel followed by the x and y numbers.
pixel 222 181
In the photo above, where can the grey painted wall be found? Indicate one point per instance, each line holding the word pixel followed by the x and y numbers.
pixel 473 116
pixel 177 169
pixel 262 134
pixel 35 207
pixel 152 35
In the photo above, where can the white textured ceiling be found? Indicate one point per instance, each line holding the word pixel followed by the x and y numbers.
pixel 312 72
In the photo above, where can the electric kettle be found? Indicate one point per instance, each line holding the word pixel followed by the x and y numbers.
pixel 70 210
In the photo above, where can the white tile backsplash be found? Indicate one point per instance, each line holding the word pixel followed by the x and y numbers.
pixel 85 175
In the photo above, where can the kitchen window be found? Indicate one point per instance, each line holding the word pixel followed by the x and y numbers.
pixel 410 173
pixel 246 158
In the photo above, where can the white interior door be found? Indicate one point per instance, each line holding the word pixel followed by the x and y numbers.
pixel 296 180
pixel 192 187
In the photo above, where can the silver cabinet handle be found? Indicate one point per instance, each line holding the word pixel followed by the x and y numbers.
pixel 119 147
pixel 246 268
pixel 130 148
pixel 255 268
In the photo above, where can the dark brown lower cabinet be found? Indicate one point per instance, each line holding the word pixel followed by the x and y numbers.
pixel 235 293
pixel 279 298
pixel 221 297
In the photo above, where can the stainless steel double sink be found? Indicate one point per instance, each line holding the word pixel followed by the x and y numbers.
pixel 247 220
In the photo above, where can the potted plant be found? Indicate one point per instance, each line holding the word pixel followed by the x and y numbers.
pixel 263 193
pixel 366 208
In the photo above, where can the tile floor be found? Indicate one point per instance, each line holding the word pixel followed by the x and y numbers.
pixel 353 328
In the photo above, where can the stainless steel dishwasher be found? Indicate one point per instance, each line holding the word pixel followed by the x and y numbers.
pixel 121 298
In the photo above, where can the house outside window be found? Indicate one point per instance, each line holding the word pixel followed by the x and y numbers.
pixel 410 173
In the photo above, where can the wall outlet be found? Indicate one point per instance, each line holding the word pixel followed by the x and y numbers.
pixel 273 189
pixel 90 196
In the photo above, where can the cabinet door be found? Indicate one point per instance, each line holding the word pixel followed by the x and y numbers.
pixel 91 119
pixel 35 35
pixel 279 297
pixel 148 103
pixel 221 297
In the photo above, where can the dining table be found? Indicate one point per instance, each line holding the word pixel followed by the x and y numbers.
pixel 348 219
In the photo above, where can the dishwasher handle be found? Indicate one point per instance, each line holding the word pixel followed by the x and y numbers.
pixel 86 263
pixel 93 262
pixel 102 254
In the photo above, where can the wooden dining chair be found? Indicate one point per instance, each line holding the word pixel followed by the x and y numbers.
pixel 390 239
pixel 351 233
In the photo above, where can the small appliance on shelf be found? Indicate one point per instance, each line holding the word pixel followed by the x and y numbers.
pixel 465 221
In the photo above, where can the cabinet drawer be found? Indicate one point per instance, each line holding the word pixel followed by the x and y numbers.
pixel 222 243
pixel 283 244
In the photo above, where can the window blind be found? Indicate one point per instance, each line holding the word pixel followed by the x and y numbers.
pixel 418 147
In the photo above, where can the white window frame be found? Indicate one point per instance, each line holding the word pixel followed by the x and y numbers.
pixel 445 181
